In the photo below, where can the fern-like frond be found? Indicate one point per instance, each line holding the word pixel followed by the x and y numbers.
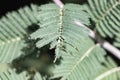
pixel 117 43
pixel 11 50
pixel 13 29
pixel 12 75
pixel 112 74
pixel 105 13
pixel 82 66
pixel 88 64
pixel 58 28
pixel 110 71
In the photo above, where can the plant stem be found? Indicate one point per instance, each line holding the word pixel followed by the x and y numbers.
pixel 59 3
pixel 102 76
pixel 106 45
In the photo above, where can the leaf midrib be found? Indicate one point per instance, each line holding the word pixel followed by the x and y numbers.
pixel 86 54
pixel 107 73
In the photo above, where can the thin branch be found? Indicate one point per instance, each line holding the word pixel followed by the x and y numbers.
pixel 112 49
pixel 106 45
pixel 59 3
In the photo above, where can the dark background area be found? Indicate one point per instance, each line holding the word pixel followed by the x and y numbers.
pixel 10 5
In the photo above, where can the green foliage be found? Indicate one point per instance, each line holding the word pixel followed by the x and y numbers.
pixel 109 71
pixel 11 75
pixel 87 66
pixel 78 66
pixel 13 28
pixel 105 14
pixel 57 26
pixel 13 32
pixel 78 56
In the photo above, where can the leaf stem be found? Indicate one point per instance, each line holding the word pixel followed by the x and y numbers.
pixel 108 73
pixel 106 45
pixel 59 3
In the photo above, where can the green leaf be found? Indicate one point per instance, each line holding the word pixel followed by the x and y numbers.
pixel 83 65
pixel 105 14
pixel 110 71
pixel 13 30
pixel 12 75
pixel 11 50
pixel 88 64
pixel 57 26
